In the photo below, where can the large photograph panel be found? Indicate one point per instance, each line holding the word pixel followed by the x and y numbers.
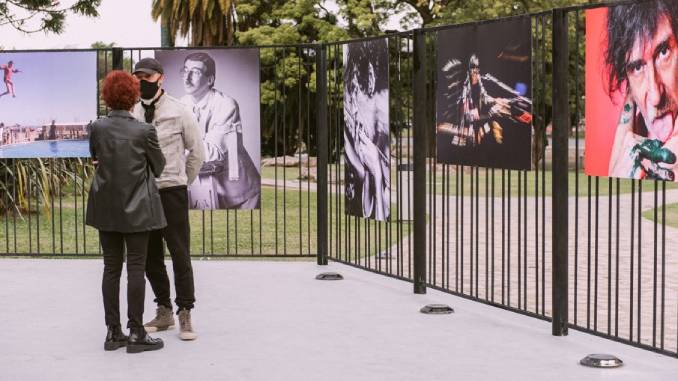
pixel 366 133
pixel 632 91
pixel 47 100
pixel 483 98
pixel 221 87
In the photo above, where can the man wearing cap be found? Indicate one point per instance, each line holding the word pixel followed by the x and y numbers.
pixel 180 142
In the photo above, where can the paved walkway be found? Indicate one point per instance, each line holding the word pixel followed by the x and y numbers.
pixel 272 321
pixel 452 255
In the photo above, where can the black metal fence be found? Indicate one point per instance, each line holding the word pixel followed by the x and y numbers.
pixel 44 200
pixel 552 243
pixel 588 253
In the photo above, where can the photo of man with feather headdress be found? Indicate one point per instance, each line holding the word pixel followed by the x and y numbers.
pixel 484 110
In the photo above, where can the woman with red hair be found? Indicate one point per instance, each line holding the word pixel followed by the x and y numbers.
pixel 124 205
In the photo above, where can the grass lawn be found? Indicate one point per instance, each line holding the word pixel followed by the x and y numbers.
pixel 671 215
pixel 446 180
pixel 285 225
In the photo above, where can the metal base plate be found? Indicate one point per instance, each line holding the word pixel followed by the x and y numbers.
pixel 329 276
pixel 437 309
pixel 601 361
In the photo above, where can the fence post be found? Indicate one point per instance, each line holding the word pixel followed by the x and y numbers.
pixel 323 146
pixel 117 59
pixel 420 142
pixel 561 127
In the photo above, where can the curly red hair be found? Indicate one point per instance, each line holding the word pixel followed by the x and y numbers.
pixel 120 90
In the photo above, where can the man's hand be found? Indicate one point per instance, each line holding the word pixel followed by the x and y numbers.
pixel 652 157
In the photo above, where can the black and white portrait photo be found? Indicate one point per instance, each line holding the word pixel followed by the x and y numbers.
pixel 221 87
pixel 366 131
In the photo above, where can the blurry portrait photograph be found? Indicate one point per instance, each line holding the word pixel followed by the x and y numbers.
pixel 483 97
pixel 632 91
pixel 366 130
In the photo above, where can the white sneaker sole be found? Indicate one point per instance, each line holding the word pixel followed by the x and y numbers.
pixel 155 329
pixel 187 336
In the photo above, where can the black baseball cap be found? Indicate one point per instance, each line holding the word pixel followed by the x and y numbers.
pixel 148 66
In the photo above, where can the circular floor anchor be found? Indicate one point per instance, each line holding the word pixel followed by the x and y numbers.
pixel 601 361
pixel 437 309
pixel 329 276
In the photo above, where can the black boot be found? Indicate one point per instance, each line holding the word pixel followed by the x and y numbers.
pixel 114 338
pixel 139 341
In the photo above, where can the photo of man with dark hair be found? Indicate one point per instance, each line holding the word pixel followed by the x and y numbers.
pixel 366 131
pixel 484 110
pixel 229 178
pixel 641 58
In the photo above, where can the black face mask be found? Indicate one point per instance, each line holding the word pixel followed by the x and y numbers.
pixel 148 89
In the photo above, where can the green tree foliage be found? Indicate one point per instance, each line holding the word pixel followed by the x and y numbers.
pixel 210 22
pixel 32 16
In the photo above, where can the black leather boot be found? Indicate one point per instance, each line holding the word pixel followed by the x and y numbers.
pixel 114 338
pixel 139 341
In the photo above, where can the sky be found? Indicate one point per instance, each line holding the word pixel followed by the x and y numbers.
pixel 40 87
pixel 127 23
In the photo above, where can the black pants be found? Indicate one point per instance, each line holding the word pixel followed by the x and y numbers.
pixel 113 245
pixel 176 235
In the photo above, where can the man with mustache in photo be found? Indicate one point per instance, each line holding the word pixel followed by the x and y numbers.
pixel 642 59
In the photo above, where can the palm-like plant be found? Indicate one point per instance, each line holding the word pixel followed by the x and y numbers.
pixel 27 184
pixel 210 22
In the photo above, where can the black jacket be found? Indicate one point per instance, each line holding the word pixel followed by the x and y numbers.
pixel 123 197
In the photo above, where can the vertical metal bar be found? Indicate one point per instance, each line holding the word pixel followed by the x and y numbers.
pixel 461 233
pixel 543 164
pixel 560 176
pixel 300 132
pixel 654 267
pixel 308 163
pixel 508 240
pixel 321 95
pixel 37 215
pixel 616 287
pixel 30 224
pixel 632 247
pixel 640 261
pixel 5 196
pixel 15 200
pixel 420 154
pixel 284 149
pixel 471 228
pixel 477 237
pixel 117 58
pixel 576 170
pixel 83 208
pixel 609 255
pixel 51 200
pixel 525 240
pixel 520 238
pixel 492 239
pixel 663 296
pixel 75 225
pixel 503 234
pixel 275 145
pixel 457 248
pixel 61 218
pixel 487 234
pixel 595 253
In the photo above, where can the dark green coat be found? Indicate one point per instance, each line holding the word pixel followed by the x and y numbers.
pixel 123 197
